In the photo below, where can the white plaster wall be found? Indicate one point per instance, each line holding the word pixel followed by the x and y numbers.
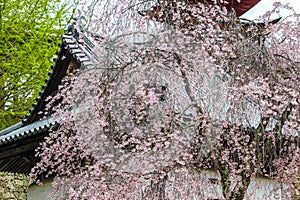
pixel 259 189
pixel 40 192
pixel 267 189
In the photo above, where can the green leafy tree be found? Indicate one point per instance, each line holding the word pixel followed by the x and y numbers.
pixel 29 34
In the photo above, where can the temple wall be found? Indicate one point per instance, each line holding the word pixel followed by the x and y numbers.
pixel 13 186
pixel 40 192
pixel 259 189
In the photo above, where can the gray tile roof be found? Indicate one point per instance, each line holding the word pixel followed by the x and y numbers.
pixel 29 130
pixel 80 52
pixel 18 142
pixel 10 129
pixel 78 49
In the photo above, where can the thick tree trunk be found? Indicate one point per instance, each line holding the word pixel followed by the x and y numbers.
pixel 240 189
pixel 157 189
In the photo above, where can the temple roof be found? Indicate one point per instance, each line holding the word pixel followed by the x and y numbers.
pixel 240 7
pixel 18 142
pixel 26 131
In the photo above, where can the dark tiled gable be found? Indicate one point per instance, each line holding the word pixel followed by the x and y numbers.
pixel 17 143
pixel 26 131
pixel 71 50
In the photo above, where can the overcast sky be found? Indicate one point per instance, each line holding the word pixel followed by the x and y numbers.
pixel 265 5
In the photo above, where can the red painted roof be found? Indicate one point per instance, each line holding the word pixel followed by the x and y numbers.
pixel 239 8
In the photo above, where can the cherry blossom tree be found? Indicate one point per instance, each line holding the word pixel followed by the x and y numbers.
pixel 177 87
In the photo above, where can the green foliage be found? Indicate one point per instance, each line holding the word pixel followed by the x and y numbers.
pixel 29 34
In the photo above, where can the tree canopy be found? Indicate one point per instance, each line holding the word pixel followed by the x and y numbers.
pixel 29 35
pixel 186 89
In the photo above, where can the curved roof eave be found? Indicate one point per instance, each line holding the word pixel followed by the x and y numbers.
pixel 70 49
